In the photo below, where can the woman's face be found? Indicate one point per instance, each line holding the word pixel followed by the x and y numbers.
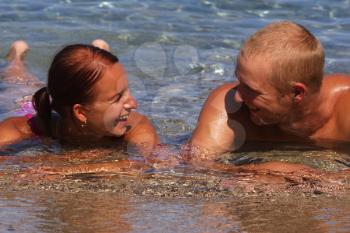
pixel 108 114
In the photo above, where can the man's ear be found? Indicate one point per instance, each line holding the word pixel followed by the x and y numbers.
pixel 298 91
pixel 79 112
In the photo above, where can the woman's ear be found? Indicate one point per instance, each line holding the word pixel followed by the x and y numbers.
pixel 298 91
pixel 79 112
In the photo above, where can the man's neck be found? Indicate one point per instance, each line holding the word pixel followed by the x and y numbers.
pixel 307 118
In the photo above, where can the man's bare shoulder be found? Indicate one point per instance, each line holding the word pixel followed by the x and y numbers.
pixel 224 88
pixel 213 132
pixel 334 82
pixel 221 98
pixel 343 101
pixel 337 88
pixel 342 112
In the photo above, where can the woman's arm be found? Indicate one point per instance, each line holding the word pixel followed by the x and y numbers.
pixel 141 134
pixel 13 130
pixel 144 137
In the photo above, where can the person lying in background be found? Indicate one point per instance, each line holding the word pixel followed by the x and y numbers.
pixel 281 95
pixel 86 101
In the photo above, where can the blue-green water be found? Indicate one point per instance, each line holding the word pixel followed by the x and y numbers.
pixel 175 52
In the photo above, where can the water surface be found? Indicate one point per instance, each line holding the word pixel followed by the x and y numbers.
pixel 175 53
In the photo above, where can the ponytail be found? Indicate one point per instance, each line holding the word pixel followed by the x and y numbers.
pixel 42 105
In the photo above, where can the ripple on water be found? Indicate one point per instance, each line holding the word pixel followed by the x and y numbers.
pixel 208 200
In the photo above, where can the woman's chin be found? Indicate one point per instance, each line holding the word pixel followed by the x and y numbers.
pixel 118 132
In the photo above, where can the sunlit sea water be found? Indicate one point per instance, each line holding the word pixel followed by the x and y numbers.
pixel 175 53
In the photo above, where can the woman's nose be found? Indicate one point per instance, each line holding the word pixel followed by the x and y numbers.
pixel 130 103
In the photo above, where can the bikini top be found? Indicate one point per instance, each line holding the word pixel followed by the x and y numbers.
pixel 26 108
pixel 32 124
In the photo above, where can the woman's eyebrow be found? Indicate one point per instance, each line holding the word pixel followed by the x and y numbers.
pixel 119 93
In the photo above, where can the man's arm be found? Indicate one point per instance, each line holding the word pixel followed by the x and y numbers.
pixel 14 129
pixel 214 132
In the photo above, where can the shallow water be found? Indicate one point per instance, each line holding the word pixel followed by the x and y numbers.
pixel 109 212
pixel 193 46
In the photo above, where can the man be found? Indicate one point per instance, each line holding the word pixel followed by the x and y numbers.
pixel 281 95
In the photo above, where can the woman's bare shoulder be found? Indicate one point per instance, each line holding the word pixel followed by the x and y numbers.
pixel 14 129
pixel 141 130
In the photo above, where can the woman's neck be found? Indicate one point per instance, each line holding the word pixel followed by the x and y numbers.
pixel 72 131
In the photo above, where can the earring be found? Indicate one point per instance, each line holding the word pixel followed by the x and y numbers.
pixel 83 124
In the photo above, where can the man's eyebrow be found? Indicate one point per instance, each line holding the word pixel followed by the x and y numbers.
pixel 251 88
pixel 254 89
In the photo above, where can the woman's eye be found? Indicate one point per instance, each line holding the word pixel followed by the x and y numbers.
pixel 117 98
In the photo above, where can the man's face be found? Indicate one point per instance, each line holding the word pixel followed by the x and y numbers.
pixel 265 103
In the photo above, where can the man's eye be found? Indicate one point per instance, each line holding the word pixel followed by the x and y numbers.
pixel 249 90
pixel 245 88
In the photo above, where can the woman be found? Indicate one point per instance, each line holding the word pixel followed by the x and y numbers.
pixel 87 100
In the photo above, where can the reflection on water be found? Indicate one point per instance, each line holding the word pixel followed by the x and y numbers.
pixel 178 200
pixel 311 155
pixel 194 44
pixel 109 212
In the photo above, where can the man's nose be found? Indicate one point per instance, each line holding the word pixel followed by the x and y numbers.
pixel 238 96
pixel 130 103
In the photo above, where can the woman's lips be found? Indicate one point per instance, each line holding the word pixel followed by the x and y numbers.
pixel 122 120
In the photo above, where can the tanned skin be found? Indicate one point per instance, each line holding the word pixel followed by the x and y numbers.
pixel 215 130
pixel 281 95
pixel 139 131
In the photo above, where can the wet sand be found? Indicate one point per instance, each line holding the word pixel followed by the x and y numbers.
pixel 106 172
pixel 109 190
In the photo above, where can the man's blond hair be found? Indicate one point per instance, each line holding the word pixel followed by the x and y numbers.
pixel 294 53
